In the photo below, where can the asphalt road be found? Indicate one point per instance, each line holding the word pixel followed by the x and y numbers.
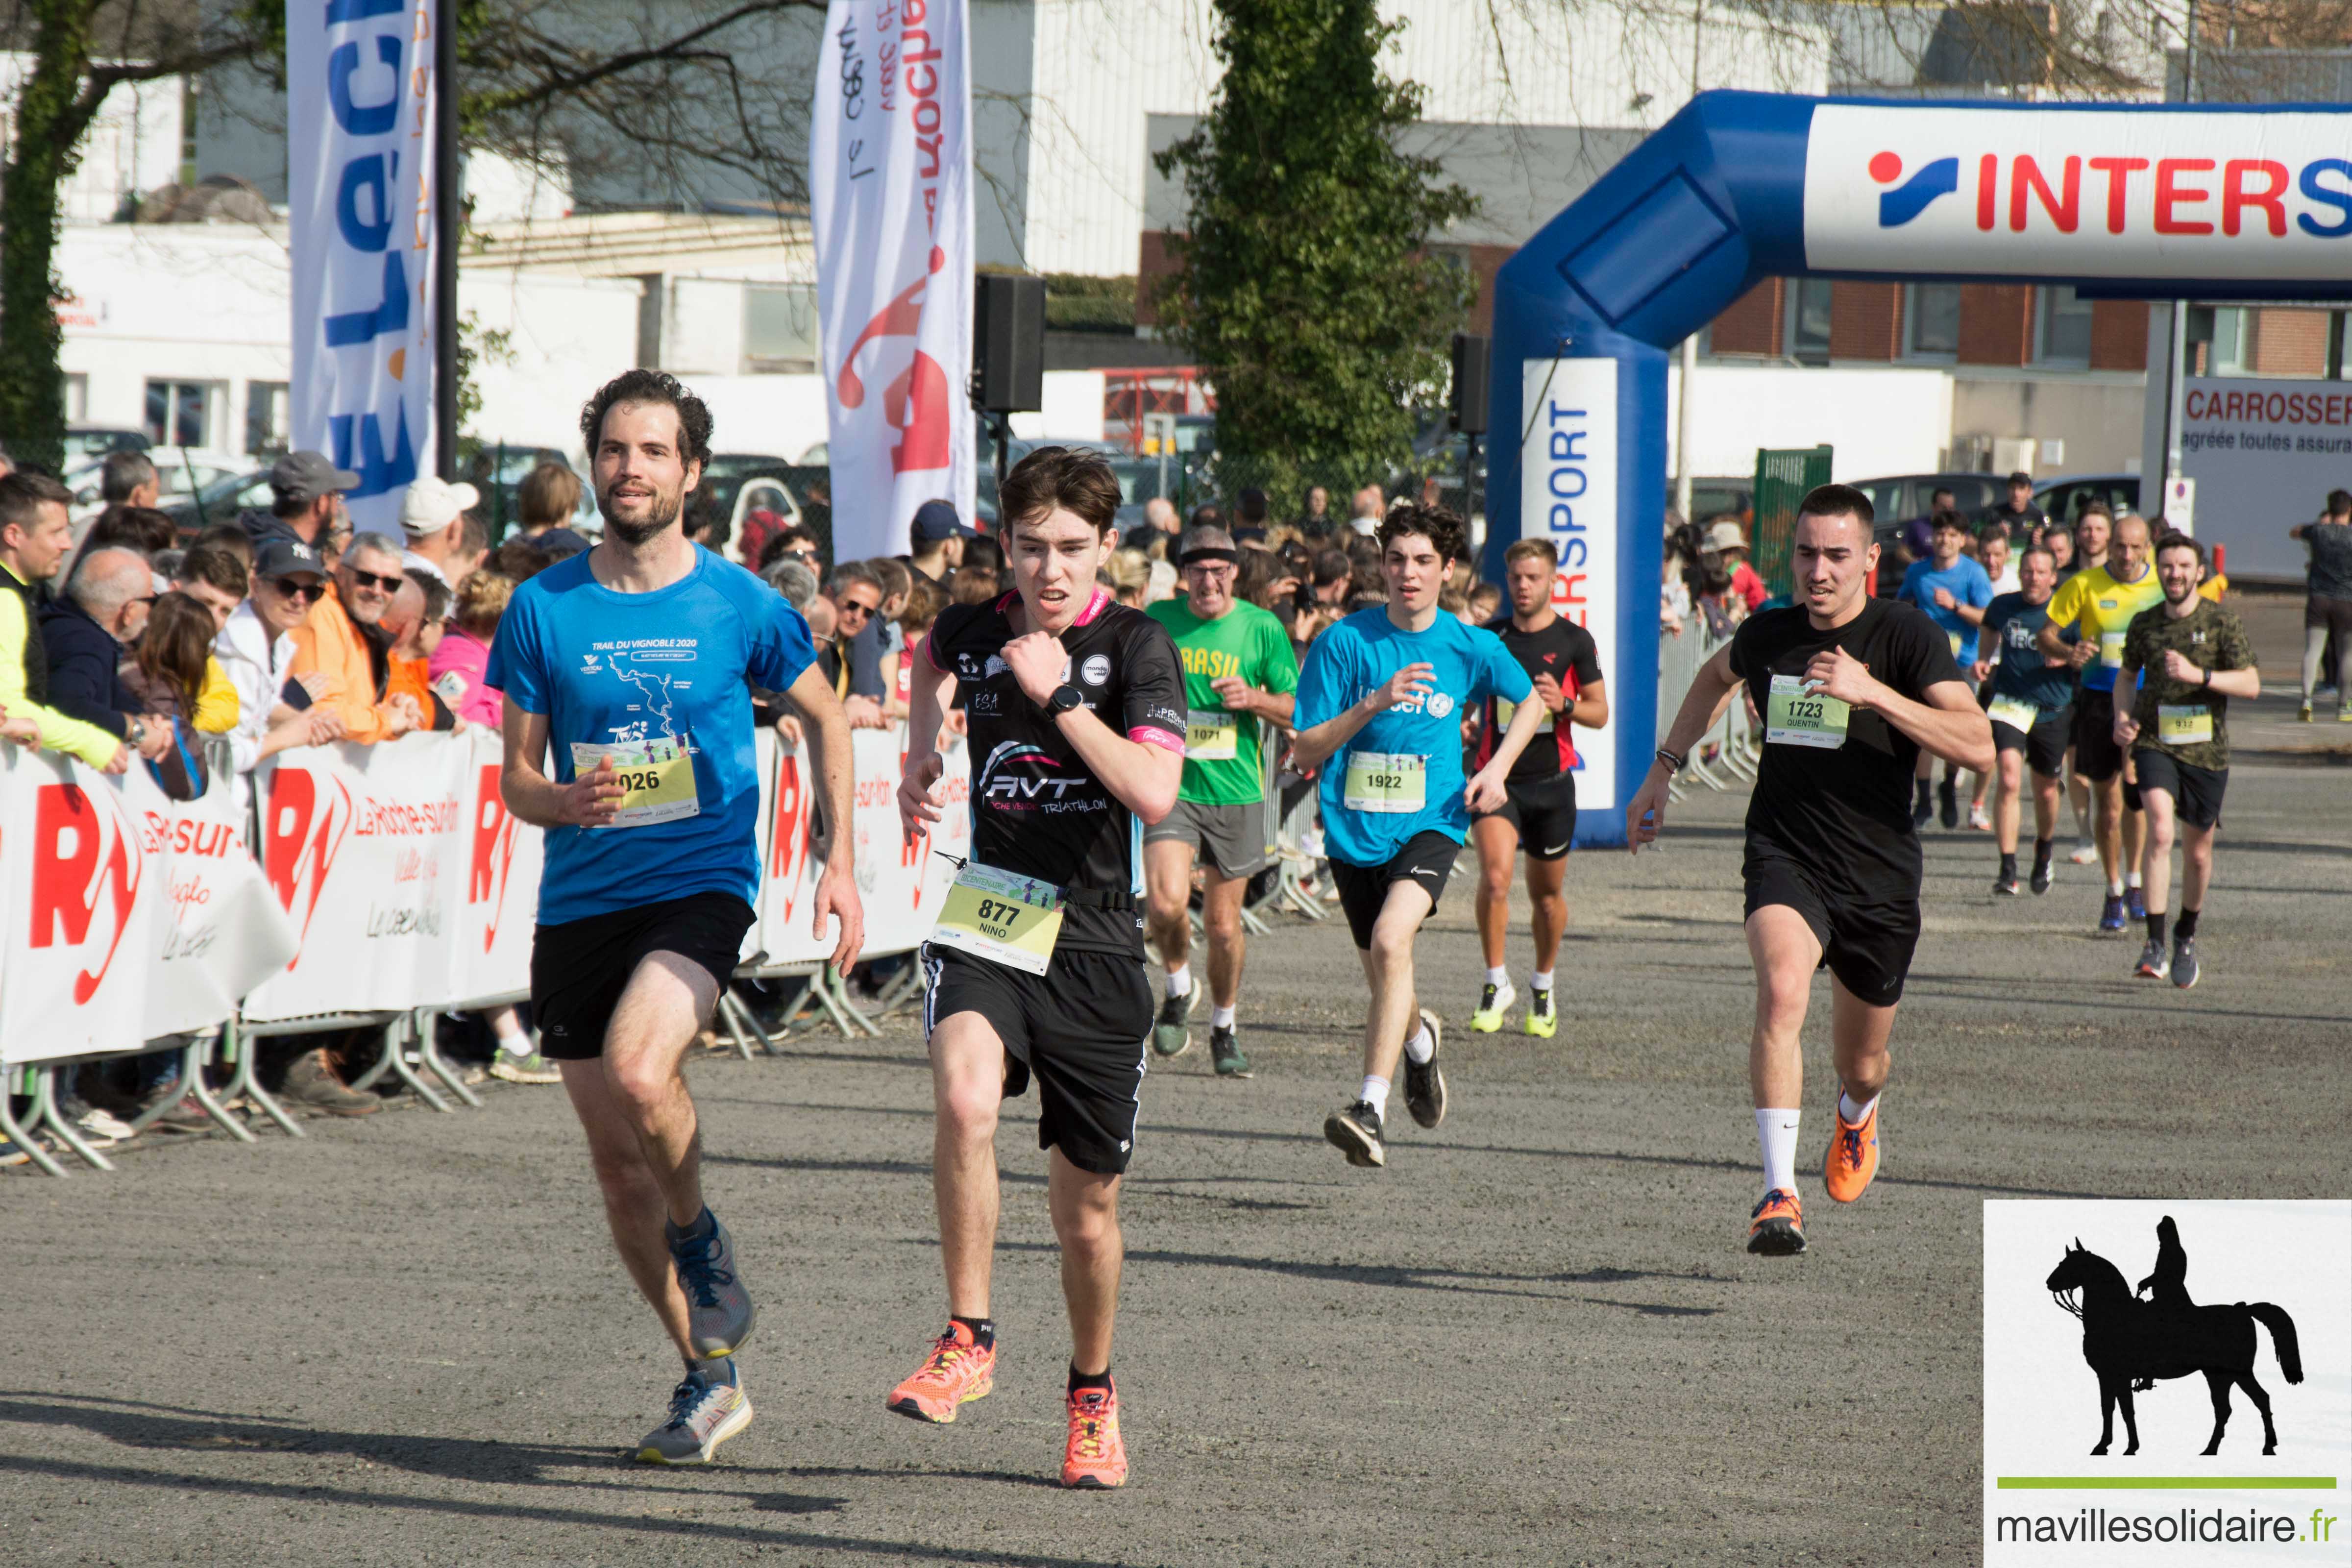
pixel 1534 1337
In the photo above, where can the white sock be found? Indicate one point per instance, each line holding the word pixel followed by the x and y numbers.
pixel 1499 976
pixel 1421 1047
pixel 1220 1018
pixel 1776 1131
pixel 1375 1089
pixel 1180 981
pixel 1855 1114
pixel 2115 889
pixel 1540 980
pixel 2131 879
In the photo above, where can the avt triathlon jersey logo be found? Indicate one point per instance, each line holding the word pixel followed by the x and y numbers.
pixel 1908 200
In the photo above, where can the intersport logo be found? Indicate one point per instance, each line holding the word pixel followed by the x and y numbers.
pixel 2132 192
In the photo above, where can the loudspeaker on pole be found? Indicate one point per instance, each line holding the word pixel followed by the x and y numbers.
pixel 1468 401
pixel 1008 348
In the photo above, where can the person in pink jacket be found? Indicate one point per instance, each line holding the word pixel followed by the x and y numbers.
pixel 464 651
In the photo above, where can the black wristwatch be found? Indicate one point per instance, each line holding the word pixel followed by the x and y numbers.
pixel 1065 697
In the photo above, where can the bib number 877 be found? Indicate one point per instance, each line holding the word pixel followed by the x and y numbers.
pixel 994 912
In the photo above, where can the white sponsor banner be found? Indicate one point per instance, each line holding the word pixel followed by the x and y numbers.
pixel 368 851
pixel 500 914
pixel 2264 454
pixel 2122 193
pixel 1567 494
pixel 218 931
pixel 83 896
pixel 360 203
pixel 890 200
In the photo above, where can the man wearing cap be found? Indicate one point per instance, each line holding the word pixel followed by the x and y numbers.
pixel 256 653
pixel 1725 541
pixel 433 515
pixel 342 643
pixel 1238 668
pixel 306 501
pixel 935 542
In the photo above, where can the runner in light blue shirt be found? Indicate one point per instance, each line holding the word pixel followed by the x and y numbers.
pixel 1381 704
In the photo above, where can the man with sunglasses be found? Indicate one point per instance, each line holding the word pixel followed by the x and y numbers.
pixel 1238 668
pixel 256 653
pixel 342 643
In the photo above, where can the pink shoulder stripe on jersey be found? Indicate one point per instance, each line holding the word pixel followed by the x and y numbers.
pixel 1006 602
pixel 931 652
pixel 1160 738
pixel 1094 605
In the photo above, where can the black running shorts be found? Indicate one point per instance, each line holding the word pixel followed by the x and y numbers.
pixel 2096 755
pixel 2044 745
pixel 1427 858
pixel 1544 812
pixel 1079 1028
pixel 1868 946
pixel 2196 792
pixel 579 969
pixel 2321 612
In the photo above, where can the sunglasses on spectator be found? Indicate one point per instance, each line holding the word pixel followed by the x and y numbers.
pixel 852 608
pixel 309 593
pixel 369 579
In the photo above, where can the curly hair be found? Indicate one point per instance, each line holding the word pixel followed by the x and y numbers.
pixel 1440 525
pixel 651 386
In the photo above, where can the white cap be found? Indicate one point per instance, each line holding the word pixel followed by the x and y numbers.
pixel 1367 526
pixel 432 505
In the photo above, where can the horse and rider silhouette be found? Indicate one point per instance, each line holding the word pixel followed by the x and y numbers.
pixel 2132 1344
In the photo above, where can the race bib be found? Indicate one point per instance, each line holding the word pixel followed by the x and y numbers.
pixel 1003 918
pixel 1796 715
pixel 2014 712
pixel 2189 724
pixel 1504 708
pixel 1212 736
pixel 656 779
pixel 1391 781
pixel 2111 649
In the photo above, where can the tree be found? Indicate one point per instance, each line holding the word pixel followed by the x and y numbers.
pixel 1304 287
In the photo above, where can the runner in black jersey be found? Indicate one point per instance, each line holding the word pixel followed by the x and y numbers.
pixel 1538 807
pixel 1853 691
pixel 1076 707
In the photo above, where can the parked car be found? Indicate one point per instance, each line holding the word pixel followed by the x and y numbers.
pixel 87 443
pixel 1903 498
pixel 217 500
pixel 180 471
pixel 499 471
pixel 782 486
pixel 2063 499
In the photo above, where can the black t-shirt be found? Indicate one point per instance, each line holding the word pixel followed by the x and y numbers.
pixel 1566 652
pixel 2019 523
pixel 1843 812
pixel 1035 808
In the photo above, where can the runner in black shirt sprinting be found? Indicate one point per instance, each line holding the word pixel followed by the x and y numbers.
pixel 1035 968
pixel 1852 688
pixel 1539 809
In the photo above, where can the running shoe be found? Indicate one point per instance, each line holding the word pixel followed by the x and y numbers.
pixel 2004 884
pixel 1542 1022
pixel 2303 714
pixel 1978 820
pixel 2111 914
pixel 532 1068
pixel 1171 1035
pixel 2041 879
pixel 1095 1459
pixel 2184 961
pixel 703 1414
pixel 1776 1227
pixel 958 1372
pixel 1225 1051
pixel 2083 852
pixel 1356 1132
pixel 719 1311
pixel 2344 714
pixel 1493 1001
pixel 100 1129
pixel 2136 903
pixel 1948 804
pixel 2153 963
pixel 1424 1083
pixel 1852 1158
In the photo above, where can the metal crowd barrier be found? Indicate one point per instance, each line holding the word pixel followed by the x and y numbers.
pixel 1727 750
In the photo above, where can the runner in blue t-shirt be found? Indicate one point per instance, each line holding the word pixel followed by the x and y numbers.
pixel 630 667
pixel 1380 709
pixel 1954 591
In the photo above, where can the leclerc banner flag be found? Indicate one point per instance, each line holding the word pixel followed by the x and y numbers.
pixel 890 195
pixel 360 197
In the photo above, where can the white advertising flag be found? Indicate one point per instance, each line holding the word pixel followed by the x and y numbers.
pixel 360 205
pixel 890 199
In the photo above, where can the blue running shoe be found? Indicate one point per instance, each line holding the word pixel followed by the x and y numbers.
pixel 2111 917
pixel 718 1312
pixel 2136 903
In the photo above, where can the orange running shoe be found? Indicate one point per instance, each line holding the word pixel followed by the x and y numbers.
pixel 1852 1158
pixel 1776 1226
pixel 958 1372
pixel 1096 1459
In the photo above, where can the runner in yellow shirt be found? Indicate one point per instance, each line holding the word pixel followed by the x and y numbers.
pixel 2089 615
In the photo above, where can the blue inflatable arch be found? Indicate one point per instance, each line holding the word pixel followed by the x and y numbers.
pixel 2140 201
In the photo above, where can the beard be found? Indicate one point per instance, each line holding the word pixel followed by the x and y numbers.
pixel 664 509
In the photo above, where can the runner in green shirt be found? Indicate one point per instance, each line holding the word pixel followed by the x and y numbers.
pixel 1238 668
